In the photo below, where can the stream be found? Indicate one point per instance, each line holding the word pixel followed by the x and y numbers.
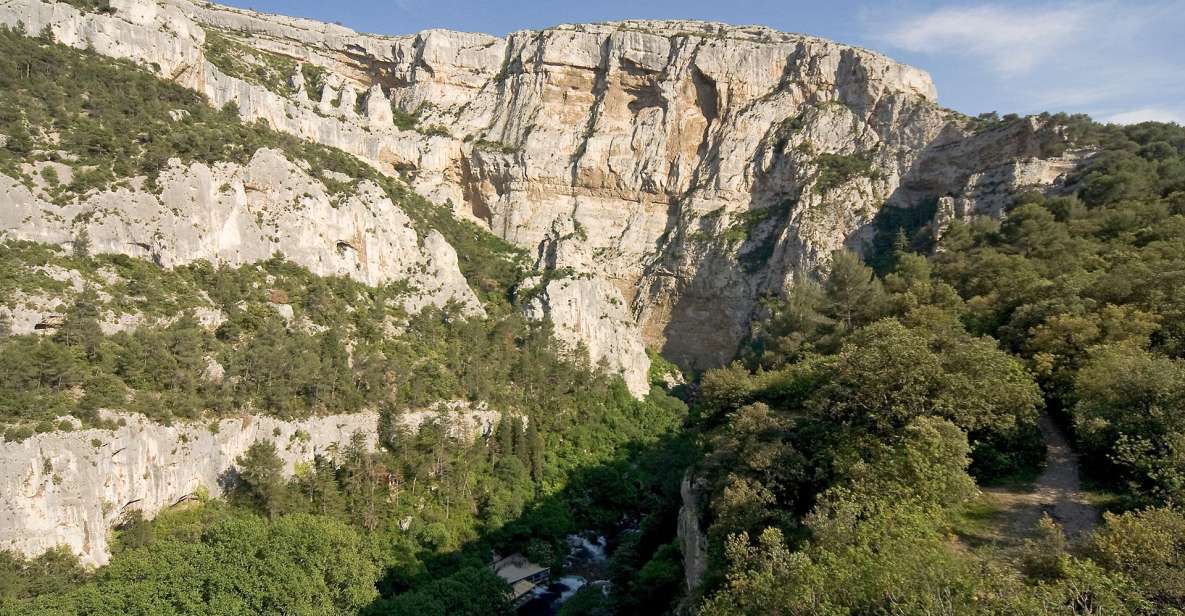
pixel 586 563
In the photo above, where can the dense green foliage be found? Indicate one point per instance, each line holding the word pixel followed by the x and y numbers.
pixel 1088 288
pixel 839 457
pixel 405 530
pixel 228 563
pixel 562 459
pixel 159 370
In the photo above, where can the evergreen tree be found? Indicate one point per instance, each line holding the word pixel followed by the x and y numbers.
pixel 80 329
pixel 335 384
pixel 854 295
pixel 360 481
pixel 82 244
pixel 534 450
pixel 260 471
pixel 319 489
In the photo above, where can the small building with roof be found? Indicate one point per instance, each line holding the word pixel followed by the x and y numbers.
pixel 522 575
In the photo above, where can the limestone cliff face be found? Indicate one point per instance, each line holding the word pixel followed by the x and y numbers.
pixel 69 488
pixel 686 169
pixel 244 214
pixel 665 175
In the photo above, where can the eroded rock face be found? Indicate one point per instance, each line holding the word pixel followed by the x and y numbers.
pixel 591 312
pixel 68 488
pixel 244 214
pixel 693 541
pixel 704 165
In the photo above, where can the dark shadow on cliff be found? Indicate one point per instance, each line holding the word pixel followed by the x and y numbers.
pixel 739 264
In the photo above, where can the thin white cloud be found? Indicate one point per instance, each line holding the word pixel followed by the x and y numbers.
pixel 1147 114
pixel 1115 60
pixel 1009 40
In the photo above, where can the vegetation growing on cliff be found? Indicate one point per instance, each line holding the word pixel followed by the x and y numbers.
pixel 110 121
pixel 235 59
pixel 835 169
pixel 839 456
pixel 408 528
pixel 92 6
pixel 428 505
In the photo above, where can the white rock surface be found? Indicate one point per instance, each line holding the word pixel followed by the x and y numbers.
pixel 244 214
pixel 592 312
pixel 68 488
pixel 664 140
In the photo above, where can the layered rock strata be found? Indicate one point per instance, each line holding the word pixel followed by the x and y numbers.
pixel 685 169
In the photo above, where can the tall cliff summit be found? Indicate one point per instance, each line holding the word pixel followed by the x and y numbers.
pixel 662 178
pixel 666 174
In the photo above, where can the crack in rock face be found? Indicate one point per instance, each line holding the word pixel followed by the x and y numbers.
pixel 665 175
pixel 690 161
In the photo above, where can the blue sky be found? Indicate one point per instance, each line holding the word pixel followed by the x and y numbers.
pixel 1118 61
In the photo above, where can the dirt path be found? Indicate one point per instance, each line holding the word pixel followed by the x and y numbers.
pixel 1058 492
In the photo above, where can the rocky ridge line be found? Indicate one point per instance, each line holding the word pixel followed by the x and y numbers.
pixel 681 170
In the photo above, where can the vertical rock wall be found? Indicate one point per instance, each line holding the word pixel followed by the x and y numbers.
pixel 688 167
pixel 69 488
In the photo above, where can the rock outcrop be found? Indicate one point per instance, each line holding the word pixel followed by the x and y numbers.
pixel 69 488
pixel 244 214
pixel 697 167
pixel 693 541
pixel 590 313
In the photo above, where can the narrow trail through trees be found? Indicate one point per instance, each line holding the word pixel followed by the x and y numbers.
pixel 1057 491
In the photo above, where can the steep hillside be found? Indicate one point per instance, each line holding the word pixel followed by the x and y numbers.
pixel 843 457
pixel 177 287
pixel 296 319
pixel 682 170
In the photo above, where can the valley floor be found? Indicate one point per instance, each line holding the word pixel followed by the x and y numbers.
pixel 1057 491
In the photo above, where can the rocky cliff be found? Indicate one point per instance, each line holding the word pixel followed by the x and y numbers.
pixel 69 488
pixel 665 176
pixel 680 170
pixel 238 214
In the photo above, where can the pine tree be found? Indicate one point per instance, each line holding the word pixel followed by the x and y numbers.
pixel 854 295
pixel 81 327
pixel 185 341
pixel 81 245
pixel 319 487
pixel 504 437
pixel 360 477
pixel 335 387
pixel 521 446
pixel 259 469
pixel 534 450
